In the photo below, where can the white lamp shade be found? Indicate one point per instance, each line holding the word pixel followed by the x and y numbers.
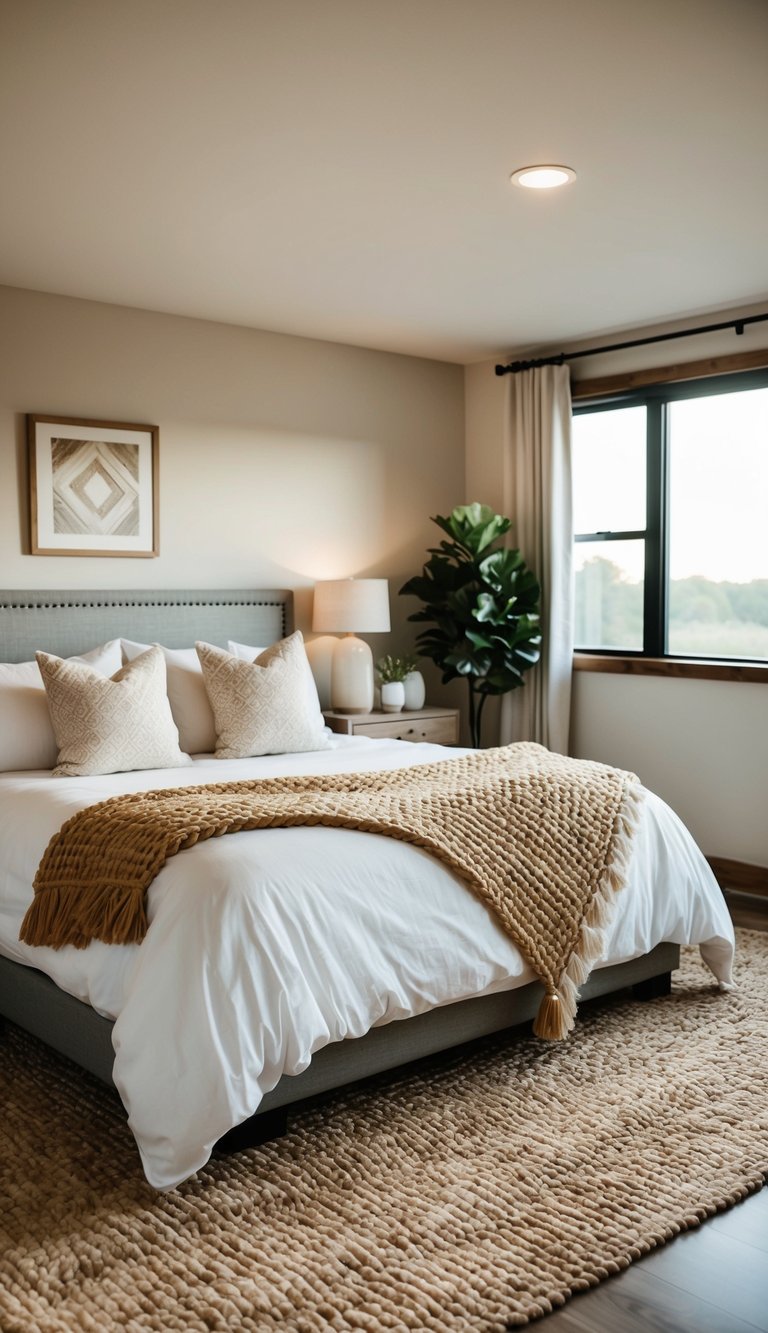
pixel 351 606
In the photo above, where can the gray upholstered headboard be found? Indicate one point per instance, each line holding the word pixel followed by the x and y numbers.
pixel 71 622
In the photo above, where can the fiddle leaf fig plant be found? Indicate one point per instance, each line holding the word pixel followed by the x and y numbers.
pixel 481 608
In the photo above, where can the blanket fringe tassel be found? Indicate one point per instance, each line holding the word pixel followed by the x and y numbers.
pixel 42 917
pixel 56 917
pixel 551 1022
pixel 557 1011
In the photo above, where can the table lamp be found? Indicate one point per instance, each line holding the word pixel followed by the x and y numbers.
pixel 346 606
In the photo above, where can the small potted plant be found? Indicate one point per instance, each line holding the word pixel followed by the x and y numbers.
pixel 392 673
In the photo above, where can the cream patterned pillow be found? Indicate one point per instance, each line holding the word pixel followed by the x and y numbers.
pixel 26 734
pixel 262 707
pixel 111 724
pixel 248 654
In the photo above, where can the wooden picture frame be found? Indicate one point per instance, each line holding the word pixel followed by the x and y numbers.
pixel 93 487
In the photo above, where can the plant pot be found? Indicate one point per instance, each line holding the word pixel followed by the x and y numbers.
pixel 392 696
pixel 415 690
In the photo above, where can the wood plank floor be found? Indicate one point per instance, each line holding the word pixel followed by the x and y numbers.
pixel 713 1280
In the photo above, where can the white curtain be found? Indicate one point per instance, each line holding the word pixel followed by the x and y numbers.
pixel 537 478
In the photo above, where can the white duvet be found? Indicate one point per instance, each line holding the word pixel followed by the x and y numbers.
pixel 265 946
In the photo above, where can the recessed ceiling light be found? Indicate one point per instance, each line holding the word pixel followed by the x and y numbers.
pixel 542 177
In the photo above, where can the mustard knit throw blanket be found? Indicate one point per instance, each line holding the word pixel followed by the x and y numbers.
pixel 542 840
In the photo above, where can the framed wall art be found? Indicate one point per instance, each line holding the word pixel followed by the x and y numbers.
pixel 93 487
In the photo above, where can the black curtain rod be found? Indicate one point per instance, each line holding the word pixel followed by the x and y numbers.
pixel 737 324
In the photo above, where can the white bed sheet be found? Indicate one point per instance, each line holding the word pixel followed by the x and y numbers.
pixel 265 946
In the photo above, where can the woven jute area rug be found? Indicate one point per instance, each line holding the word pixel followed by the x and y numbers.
pixel 476 1193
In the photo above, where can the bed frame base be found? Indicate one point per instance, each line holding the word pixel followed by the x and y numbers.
pixel 653 988
pixel 255 1130
pixel 32 1001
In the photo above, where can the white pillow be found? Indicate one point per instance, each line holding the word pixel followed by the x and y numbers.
pixel 111 724
pixel 26 734
pixel 262 707
pixel 247 654
pixel 191 710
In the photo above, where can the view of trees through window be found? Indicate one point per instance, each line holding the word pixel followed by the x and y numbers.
pixel 713 490
pixel 706 618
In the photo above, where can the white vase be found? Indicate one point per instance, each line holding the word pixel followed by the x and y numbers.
pixel 392 696
pixel 415 690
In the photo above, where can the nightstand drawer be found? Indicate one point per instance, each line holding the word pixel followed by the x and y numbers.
pixel 438 730
pixel 438 725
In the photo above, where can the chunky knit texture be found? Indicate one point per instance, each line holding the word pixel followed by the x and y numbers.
pixel 541 839
pixel 470 1194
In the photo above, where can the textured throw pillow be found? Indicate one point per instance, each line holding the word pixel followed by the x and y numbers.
pixel 111 725
pixel 26 734
pixel 248 654
pixel 191 710
pixel 262 707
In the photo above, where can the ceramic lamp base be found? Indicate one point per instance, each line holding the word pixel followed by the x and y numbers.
pixel 352 676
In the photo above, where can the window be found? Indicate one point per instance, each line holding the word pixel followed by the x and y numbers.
pixel 671 520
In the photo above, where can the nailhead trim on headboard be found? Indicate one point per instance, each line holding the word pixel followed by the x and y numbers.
pixel 31 619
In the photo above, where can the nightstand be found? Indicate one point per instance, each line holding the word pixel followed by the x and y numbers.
pixel 439 725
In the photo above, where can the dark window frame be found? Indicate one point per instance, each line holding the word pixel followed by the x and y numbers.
pixel 655 399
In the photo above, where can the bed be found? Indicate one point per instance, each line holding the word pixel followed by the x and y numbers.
pixel 284 963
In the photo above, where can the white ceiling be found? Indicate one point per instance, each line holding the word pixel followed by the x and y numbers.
pixel 339 168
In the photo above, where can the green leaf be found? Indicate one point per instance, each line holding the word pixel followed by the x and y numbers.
pixel 479 640
pixel 463 666
pixel 486 608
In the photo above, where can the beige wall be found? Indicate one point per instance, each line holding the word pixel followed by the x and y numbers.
pixel 702 745
pixel 282 459
pixel 485 396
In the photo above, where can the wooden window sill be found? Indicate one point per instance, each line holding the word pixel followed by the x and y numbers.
pixel 687 668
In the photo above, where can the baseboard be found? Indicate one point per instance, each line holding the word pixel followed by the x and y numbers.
pixel 740 875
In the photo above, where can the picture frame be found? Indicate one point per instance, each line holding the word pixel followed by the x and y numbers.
pixel 93 487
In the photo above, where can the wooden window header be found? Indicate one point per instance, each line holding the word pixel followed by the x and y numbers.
pixel 757 359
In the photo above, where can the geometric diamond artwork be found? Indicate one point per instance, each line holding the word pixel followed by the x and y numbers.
pixel 95 487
